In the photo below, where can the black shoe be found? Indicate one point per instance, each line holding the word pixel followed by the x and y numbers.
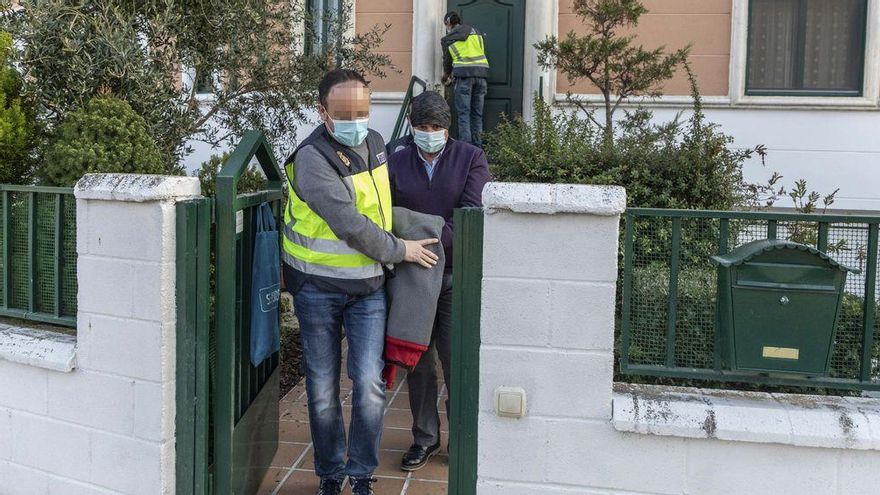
pixel 330 486
pixel 362 486
pixel 417 457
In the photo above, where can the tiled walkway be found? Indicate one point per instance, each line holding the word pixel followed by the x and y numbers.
pixel 292 472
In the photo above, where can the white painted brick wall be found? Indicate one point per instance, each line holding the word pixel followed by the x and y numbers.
pixel 107 427
pixel 549 287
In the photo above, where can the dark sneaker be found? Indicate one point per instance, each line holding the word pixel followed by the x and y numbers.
pixel 330 486
pixel 417 457
pixel 362 486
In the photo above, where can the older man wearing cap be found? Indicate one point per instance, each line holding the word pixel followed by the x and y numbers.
pixel 434 174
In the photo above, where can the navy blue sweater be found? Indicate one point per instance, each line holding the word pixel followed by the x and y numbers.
pixel 458 180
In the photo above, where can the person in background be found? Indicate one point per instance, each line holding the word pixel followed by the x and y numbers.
pixel 464 59
pixel 434 175
pixel 336 243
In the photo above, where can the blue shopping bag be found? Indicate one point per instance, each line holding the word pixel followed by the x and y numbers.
pixel 265 288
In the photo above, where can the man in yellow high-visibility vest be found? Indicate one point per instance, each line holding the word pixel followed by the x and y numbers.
pixel 464 60
pixel 337 242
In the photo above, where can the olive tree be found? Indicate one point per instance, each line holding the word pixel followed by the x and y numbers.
pixel 249 52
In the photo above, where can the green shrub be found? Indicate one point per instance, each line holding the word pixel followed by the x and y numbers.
pixel 16 121
pixel 251 181
pixel 106 136
pixel 681 164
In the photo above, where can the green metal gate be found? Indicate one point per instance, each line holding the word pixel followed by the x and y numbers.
pixel 227 408
pixel 465 396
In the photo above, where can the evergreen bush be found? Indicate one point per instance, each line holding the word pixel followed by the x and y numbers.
pixel 106 136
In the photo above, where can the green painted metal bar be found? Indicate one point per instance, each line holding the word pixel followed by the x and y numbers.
pixel 7 270
pixel 32 252
pixel 721 307
pixel 772 228
pixel 870 304
pixel 822 237
pixel 465 392
pixel 187 266
pixel 56 249
pixel 627 291
pixel 223 402
pixel 755 215
pixel 203 377
pixel 36 189
pixel 51 319
pixel 712 375
pixel 671 316
pixel 249 200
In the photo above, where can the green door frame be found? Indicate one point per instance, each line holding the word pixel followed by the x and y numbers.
pixel 467 281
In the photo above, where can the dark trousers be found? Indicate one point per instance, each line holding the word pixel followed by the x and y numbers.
pixel 469 94
pixel 422 381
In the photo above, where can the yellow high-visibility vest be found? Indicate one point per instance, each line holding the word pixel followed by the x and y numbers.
pixel 470 52
pixel 309 245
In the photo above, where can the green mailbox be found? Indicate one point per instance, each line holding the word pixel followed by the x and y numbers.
pixel 778 303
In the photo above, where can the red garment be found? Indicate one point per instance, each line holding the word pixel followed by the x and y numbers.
pixel 400 353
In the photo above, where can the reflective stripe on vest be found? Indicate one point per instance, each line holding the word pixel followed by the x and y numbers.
pixel 311 247
pixel 469 52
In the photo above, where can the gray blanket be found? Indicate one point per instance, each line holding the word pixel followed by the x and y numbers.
pixel 413 291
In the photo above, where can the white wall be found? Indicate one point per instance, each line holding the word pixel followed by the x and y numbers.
pixel 106 426
pixel 550 268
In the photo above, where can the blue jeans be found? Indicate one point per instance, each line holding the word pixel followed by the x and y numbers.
pixel 321 317
pixel 468 96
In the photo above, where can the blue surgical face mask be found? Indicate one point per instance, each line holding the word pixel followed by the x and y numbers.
pixel 350 133
pixel 429 142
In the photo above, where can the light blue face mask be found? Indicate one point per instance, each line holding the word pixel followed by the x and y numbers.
pixel 350 133
pixel 429 142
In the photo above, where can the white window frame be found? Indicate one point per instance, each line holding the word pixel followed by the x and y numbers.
pixel 870 98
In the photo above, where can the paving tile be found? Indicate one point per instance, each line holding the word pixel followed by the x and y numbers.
pixel 294 431
pixel 397 437
pixel 389 465
pixel 295 395
pixel 272 479
pixel 294 412
pixel 394 439
pixel 426 488
pixel 399 401
pixel 436 470
pixel 300 483
pixel 387 486
pixel 287 454
pixel 400 418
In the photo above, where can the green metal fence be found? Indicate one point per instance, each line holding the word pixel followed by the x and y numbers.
pixel 38 265
pixel 668 317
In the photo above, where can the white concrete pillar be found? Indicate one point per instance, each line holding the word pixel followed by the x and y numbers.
pixel 123 387
pixel 549 275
